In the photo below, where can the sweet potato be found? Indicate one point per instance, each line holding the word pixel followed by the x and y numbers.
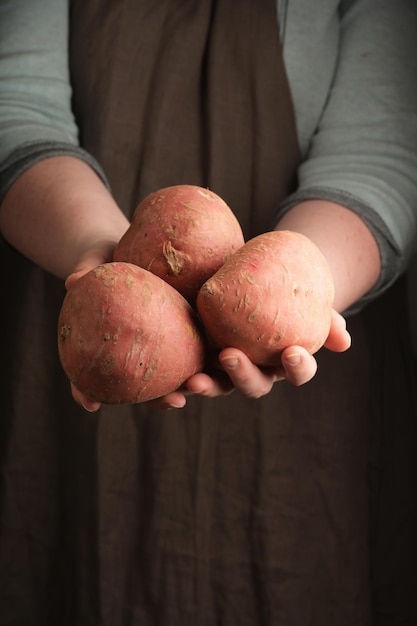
pixel 126 336
pixel 183 234
pixel 274 292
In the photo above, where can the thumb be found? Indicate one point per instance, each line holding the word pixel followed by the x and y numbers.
pixel 72 278
pixel 338 339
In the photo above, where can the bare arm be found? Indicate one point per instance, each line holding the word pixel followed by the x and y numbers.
pixel 346 242
pixel 353 256
pixel 58 213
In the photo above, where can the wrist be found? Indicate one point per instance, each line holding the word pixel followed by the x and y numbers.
pixel 346 242
pixel 94 254
pixel 56 211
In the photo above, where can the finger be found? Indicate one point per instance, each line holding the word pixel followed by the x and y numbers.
pixel 339 338
pixel 299 365
pixel 251 381
pixel 174 400
pixel 91 259
pixel 72 278
pixel 219 384
pixel 89 405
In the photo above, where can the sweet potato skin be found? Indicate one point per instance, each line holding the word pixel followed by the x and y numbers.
pixel 269 295
pixel 183 234
pixel 125 336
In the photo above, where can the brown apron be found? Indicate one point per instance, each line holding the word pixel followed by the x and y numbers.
pixel 292 510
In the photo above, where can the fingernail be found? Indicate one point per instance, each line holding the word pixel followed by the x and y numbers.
pixel 68 280
pixel 177 404
pixel 293 359
pixel 229 362
pixel 88 410
pixel 91 408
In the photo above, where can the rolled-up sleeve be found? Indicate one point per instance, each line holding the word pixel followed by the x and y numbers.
pixel 364 153
pixel 36 119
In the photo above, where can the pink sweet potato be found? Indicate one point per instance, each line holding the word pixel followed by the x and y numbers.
pixel 126 336
pixel 274 292
pixel 183 234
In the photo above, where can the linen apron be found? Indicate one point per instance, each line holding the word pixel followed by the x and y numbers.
pixel 292 510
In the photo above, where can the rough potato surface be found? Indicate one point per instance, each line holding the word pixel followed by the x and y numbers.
pixel 274 292
pixel 125 336
pixel 183 234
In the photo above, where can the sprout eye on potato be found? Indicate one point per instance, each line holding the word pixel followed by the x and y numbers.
pixel 275 291
pixel 183 234
pixel 126 336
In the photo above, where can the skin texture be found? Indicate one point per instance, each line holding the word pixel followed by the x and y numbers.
pixel 346 242
pixel 125 336
pixel 50 215
pixel 165 236
pixel 274 292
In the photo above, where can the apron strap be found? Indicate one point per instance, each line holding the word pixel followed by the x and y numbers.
pixel 186 92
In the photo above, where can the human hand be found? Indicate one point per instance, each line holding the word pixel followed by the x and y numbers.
pixel 100 252
pixel 235 371
pixel 96 254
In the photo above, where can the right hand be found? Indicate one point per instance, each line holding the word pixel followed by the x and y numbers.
pixel 101 252
pixel 235 371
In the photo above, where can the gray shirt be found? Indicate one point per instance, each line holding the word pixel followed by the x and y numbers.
pixel 352 68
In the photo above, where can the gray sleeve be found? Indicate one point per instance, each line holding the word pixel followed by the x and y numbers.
pixel 364 152
pixel 35 94
pixel 28 154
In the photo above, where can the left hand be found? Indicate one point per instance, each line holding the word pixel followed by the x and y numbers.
pixel 233 369
pixel 236 371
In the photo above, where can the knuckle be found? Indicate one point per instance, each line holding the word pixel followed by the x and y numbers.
pixel 259 391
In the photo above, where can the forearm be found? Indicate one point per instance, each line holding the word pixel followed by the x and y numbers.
pixel 56 211
pixel 358 131
pixel 346 242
